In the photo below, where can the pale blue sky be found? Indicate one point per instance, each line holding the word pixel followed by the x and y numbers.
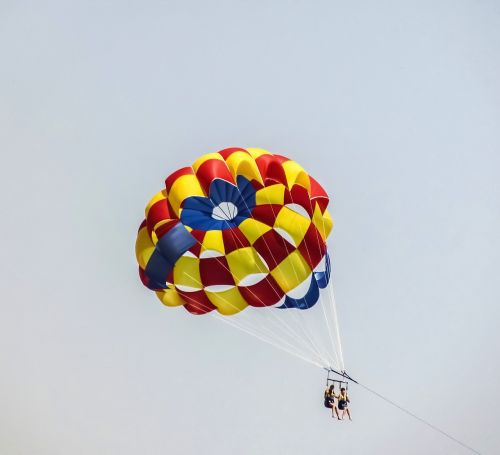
pixel 393 106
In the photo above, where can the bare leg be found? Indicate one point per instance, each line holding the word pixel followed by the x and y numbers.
pixel 348 413
pixel 337 412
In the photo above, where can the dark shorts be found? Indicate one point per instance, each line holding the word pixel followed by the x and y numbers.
pixel 343 404
pixel 329 403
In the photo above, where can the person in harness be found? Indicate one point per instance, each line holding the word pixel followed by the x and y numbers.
pixel 343 400
pixel 330 401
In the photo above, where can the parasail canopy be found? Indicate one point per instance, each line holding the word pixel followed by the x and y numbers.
pixel 239 233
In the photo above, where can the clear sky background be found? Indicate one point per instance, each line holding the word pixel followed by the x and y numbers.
pixel 393 106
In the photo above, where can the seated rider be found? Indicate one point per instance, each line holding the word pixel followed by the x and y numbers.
pixel 330 400
pixel 343 400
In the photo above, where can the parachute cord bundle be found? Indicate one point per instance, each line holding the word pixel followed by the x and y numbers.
pixel 336 346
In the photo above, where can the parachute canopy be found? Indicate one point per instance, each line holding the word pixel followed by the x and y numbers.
pixel 237 228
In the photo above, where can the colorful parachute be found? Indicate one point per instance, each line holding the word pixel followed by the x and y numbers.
pixel 239 227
